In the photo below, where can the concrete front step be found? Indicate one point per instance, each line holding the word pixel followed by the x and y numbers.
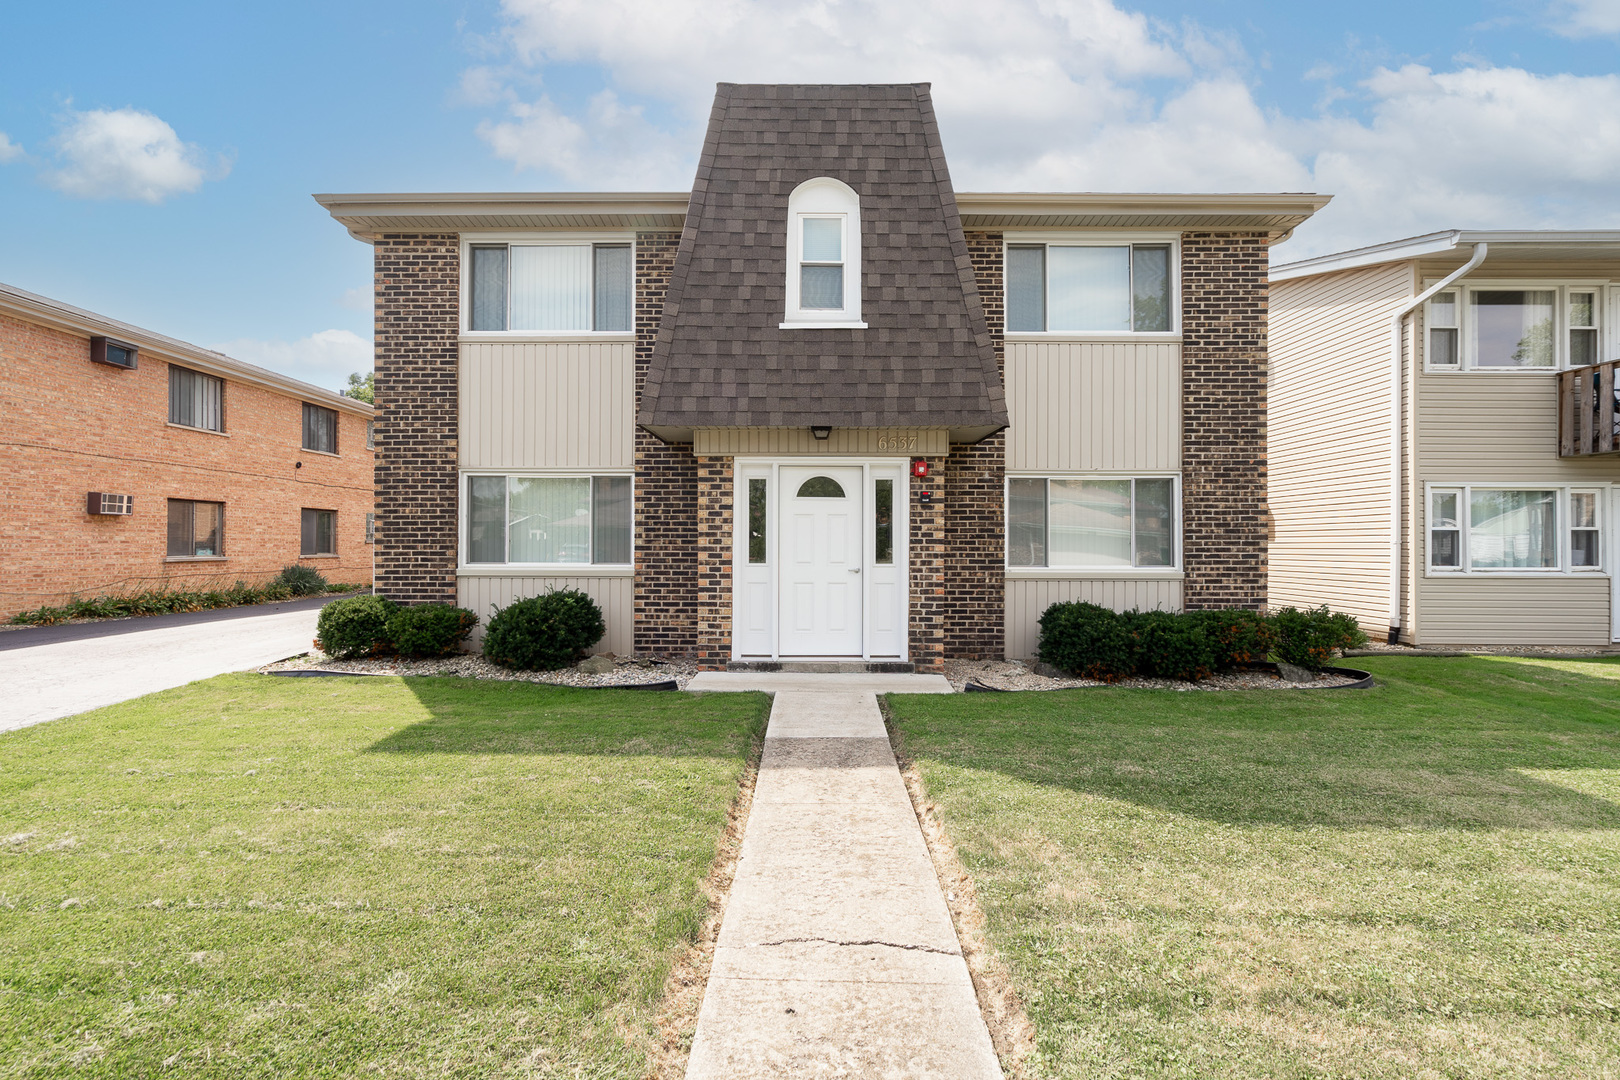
pixel 835 667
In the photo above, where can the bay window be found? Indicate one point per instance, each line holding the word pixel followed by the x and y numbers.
pixel 543 520
pixel 1090 288
pixel 1092 522
pixel 551 288
pixel 1486 326
pixel 1478 529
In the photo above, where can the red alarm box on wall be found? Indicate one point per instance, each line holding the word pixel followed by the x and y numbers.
pixel 919 467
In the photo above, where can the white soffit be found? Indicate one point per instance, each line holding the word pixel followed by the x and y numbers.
pixel 1543 245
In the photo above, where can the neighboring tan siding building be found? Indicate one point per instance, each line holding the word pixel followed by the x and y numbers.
pixel 211 453
pixel 1507 525
pixel 822 406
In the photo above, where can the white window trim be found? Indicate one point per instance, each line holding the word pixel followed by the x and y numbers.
pixel 1173 572
pixel 1100 238
pixel 822 197
pixel 1607 338
pixel 550 238
pixel 1564 567
pixel 517 569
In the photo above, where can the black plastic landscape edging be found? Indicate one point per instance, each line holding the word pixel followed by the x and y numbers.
pixel 317 673
pixel 1364 681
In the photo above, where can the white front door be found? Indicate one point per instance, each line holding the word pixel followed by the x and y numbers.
pixel 820 590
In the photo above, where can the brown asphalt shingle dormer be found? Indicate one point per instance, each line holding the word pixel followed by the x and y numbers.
pixel 721 359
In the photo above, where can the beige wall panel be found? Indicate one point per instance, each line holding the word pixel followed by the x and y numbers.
pixel 1328 440
pixel 1094 406
pixel 900 442
pixel 614 595
pixel 1482 609
pixel 547 405
pixel 1486 427
pixel 1028 599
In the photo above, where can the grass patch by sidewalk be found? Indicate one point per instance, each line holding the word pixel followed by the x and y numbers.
pixel 259 877
pixel 1421 880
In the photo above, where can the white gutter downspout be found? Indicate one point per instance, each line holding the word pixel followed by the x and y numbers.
pixel 1396 446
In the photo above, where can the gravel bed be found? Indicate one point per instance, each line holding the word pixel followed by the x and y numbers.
pixel 630 670
pixel 1014 675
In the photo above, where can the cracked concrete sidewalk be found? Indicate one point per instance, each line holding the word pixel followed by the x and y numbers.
pixel 836 956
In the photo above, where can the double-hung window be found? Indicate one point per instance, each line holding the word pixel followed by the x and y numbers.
pixel 1479 529
pixel 1091 288
pixel 196 400
pixel 823 256
pixel 196 529
pixel 1489 326
pixel 320 429
pixel 1092 522
pixel 551 287
pixel 547 520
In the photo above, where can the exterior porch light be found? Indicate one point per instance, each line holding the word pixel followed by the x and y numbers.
pixel 821 433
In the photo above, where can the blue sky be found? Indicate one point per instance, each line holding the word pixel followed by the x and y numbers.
pixel 161 173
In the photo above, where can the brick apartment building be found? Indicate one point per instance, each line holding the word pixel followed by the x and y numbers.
pixel 134 461
pixel 822 407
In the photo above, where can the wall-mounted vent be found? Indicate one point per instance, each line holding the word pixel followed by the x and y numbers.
pixel 102 502
pixel 114 353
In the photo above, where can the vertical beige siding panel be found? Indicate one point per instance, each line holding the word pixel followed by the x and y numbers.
pixel 614 595
pixel 1103 406
pixel 1028 598
pixel 539 405
pixel 1328 440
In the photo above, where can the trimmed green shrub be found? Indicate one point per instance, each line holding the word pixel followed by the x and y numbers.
pixel 356 627
pixel 429 630
pixel 1237 636
pixel 1171 646
pixel 301 580
pixel 544 633
pixel 1308 637
pixel 1091 641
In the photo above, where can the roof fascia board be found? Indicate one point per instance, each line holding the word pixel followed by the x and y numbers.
pixel 1436 243
pixel 1286 204
pixel 59 316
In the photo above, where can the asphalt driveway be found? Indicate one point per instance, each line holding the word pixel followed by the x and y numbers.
pixel 49 672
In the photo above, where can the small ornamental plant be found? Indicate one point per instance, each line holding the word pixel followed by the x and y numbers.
pixel 427 631
pixel 1309 637
pixel 355 627
pixel 544 633
pixel 301 580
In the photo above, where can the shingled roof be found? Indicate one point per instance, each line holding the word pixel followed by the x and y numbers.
pixel 721 358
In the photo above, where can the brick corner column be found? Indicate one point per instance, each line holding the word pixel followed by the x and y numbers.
pixel 715 529
pixel 929 609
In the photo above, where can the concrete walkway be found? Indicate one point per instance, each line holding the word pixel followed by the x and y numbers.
pixel 63 677
pixel 837 956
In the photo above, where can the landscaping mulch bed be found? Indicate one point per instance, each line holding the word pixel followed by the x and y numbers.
pixel 1014 675
pixel 629 671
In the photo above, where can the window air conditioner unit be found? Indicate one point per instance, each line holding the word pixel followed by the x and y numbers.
pixel 110 351
pixel 101 502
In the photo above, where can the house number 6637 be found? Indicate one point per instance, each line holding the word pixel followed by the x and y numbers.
pixel 897 442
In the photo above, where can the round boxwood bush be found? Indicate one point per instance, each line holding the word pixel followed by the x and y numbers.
pixel 354 627
pixel 1238 636
pixel 1171 646
pixel 429 630
pixel 1308 638
pixel 543 633
pixel 1088 640
pixel 301 580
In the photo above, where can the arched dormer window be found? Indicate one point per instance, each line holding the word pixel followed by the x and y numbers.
pixel 823 256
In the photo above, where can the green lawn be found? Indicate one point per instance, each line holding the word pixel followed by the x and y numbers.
pixel 258 877
pixel 1421 880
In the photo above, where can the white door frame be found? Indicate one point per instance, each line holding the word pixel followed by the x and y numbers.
pixel 756 603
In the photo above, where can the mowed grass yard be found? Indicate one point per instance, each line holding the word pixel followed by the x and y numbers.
pixel 1421 880
pixel 260 877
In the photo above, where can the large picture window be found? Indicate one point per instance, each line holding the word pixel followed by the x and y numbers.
pixel 196 400
pixel 1091 522
pixel 1090 288
pixel 551 288
pixel 1489 327
pixel 1474 529
pixel 196 529
pixel 548 519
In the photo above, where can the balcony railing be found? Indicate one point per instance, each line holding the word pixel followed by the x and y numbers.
pixel 1588 411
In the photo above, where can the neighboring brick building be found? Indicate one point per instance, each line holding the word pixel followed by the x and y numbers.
pixel 822 406
pixel 203 463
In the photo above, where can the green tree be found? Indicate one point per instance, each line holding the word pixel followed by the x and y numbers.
pixel 362 387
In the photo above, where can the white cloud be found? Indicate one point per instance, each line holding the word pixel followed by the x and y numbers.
pixel 325 358
pixel 9 151
pixel 1077 95
pixel 359 298
pixel 126 154
pixel 1586 18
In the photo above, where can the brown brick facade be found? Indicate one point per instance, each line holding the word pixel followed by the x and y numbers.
pixel 666 516
pixel 1223 419
pixel 715 496
pixel 417 327
pixel 929 608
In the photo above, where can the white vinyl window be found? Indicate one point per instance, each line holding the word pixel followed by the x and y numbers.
pixel 1091 288
pixel 548 520
pixel 550 288
pixel 1511 326
pixel 1093 522
pixel 823 256
pixel 1480 529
